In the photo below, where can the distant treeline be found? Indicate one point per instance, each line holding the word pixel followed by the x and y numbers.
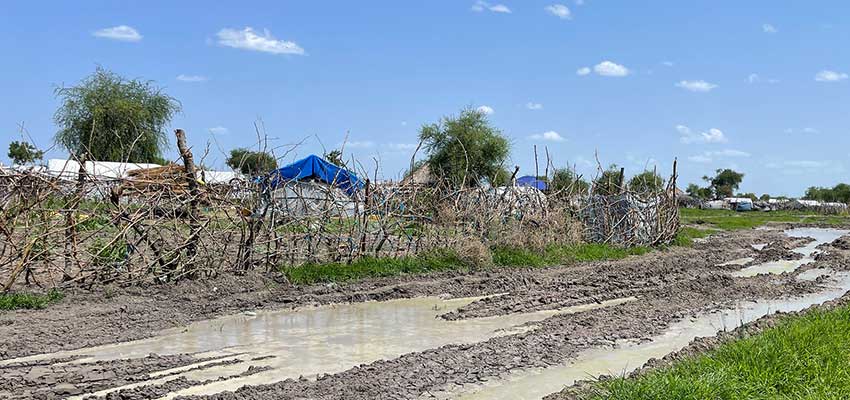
pixel 838 193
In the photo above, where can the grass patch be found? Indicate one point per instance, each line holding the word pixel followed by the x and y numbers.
pixel 17 301
pixel 371 267
pixel 803 357
pixel 686 236
pixel 732 220
pixel 562 254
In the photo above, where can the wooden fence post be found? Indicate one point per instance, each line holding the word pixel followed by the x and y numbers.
pixel 192 182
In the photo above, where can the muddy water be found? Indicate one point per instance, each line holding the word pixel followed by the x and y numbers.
pixel 316 340
pixel 627 356
pixel 821 236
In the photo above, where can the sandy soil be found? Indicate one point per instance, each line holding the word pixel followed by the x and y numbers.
pixel 669 285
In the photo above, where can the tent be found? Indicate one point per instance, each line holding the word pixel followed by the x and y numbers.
pixel 531 181
pixel 316 168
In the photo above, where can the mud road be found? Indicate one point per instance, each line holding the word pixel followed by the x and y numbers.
pixel 438 336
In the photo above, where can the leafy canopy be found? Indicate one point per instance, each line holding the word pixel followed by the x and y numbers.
pixel 647 182
pixel 609 182
pixel 695 191
pixel 24 153
pixel 251 163
pixel 566 180
pixel 725 182
pixel 109 118
pixel 466 149
pixel 838 193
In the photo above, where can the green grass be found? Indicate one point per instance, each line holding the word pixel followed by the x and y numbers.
pixel 16 301
pixel 686 236
pixel 731 220
pixel 803 357
pixel 370 267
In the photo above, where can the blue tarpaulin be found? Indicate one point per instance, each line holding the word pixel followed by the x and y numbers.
pixel 315 167
pixel 531 181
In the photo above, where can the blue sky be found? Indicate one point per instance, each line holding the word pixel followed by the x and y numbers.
pixel 760 86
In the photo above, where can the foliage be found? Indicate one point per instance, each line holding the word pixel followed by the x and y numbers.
pixel 802 357
pixel 335 157
pixel 698 192
pixel 251 163
pixel 370 267
pixel 30 301
pixel 109 118
pixel 465 149
pixel 609 182
pixel 764 197
pixel 751 196
pixel 565 179
pixel 106 253
pixel 686 236
pixel 838 193
pixel 22 153
pixel 646 182
pixel 724 183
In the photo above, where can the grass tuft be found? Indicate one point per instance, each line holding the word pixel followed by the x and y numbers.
pixel 371 267
pixel 806 356
pixel 31 301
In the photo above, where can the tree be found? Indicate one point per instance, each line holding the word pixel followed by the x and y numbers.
pixel 465 149
pixel 725 182
pixel 23 153
pixel 647 182
pixel 566 180
pixel 109 118
pixel 609 183
pixel 697 192
pixel 764 197
pixel 251 163
pixel 838 193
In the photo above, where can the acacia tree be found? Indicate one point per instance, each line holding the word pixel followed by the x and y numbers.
pixel 565 179
pixel 466 149
pixel 647 182
pixel 23 153
pixel 251 163
pixel 725 182
pixel 109 118
pixel 609 182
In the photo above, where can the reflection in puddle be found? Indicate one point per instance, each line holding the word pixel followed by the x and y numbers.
pixel 626 356
pixel 311 341
pixel 821 236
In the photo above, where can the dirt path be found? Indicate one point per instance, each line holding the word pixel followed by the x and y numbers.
pixel 668 284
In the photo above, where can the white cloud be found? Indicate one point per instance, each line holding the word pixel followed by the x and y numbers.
pixel 192 78
pixel 830 76
pixel 486 110
pixel 559 10
pixel 219 130
pixel 551 136
pixel 583 71
pixel 533 106
pixel 667 63
pixel 400 146
pixel 753 78
pixel 579 2
pixel 481 5
pixel 810 130
pixel 358 145
pixel 403 123
pixel 768 28
pixel 709 156
pixel 696 86
pixel 688 136
pixel 700 159
pixel 608 68
pixel 123 33
pixel 249 39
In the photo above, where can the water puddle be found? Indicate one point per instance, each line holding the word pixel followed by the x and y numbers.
pixel 311 341
pixel 759 246
pixel 737 261
pixel 821 236
pixel 626 356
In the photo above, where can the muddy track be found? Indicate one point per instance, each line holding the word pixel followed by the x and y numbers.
pixel 669 285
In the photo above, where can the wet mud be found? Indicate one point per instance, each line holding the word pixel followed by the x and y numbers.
pixel 667 286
